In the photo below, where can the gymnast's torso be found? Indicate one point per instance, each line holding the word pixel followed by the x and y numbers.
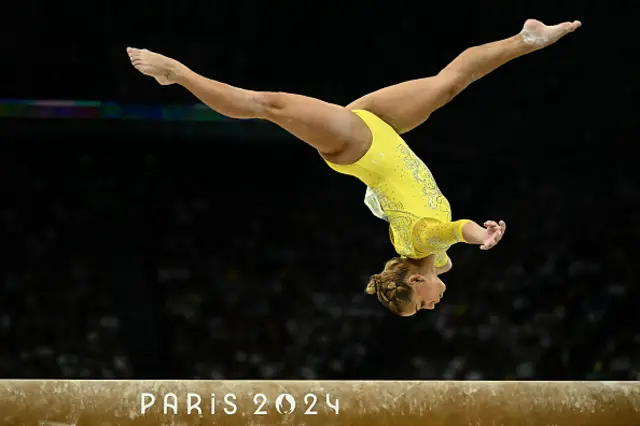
pixel 402 191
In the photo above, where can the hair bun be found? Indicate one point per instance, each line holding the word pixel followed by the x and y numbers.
pixel 391 287
pixel 372 287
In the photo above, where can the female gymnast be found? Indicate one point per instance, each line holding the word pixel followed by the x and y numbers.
pixel 363 140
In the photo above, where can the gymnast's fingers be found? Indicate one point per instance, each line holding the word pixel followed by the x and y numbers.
pixel 490 224
pixel 487 244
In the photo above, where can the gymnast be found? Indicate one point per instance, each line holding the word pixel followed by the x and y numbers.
pixel 363 140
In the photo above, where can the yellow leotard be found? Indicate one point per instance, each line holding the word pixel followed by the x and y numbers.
pixel 419 215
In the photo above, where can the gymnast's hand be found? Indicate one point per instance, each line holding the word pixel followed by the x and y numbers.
pixel 493 234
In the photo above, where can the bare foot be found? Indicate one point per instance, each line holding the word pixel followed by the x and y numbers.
pixel 165 70
pixel 539 35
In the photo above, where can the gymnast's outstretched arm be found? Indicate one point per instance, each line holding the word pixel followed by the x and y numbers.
pixel 409 104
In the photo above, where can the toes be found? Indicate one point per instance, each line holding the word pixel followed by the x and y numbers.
pixel 133 53
pixel 572 26
pixel 135 56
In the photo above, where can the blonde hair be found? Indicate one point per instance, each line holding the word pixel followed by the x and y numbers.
pixel 390 286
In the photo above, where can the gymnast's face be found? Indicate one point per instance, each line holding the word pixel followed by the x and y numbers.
pixel 427 293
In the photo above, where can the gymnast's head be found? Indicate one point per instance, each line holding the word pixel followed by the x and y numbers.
pixel 403 291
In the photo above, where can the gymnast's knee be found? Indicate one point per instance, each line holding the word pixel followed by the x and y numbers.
pixel 451 84
pixel 272 104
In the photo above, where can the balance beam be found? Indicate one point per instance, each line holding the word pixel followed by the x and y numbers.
pixel 326 403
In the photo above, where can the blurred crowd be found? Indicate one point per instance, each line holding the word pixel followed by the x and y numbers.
pixel 152 261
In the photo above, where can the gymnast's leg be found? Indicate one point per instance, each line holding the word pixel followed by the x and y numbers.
pixel 409 104
pixel 336 132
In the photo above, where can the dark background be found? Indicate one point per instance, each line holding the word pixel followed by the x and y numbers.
pixel 146 249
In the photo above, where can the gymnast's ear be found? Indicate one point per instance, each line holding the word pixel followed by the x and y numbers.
pixel 415 279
